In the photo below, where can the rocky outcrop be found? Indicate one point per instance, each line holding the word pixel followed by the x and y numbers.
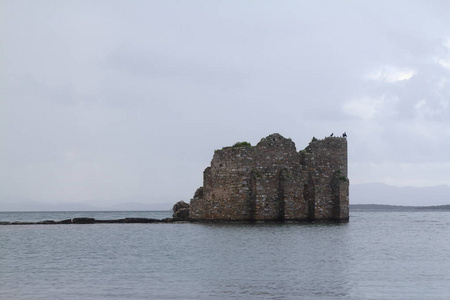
pixel 181 211
pixel 181 215
pixel 179 205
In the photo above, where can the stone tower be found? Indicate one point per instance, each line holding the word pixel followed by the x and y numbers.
pixel 273 182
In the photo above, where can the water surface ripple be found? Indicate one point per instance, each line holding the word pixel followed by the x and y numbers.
pixel 378 255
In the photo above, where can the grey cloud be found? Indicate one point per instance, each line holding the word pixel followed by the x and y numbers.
pixel 107 99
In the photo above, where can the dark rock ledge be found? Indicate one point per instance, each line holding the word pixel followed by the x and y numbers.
pixel 180 214
pixel 92 221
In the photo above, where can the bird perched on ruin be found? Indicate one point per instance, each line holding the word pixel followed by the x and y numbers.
pixel 331 134
pixel 344 134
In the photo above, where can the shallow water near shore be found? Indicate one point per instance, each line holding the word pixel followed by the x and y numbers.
pixel 377 255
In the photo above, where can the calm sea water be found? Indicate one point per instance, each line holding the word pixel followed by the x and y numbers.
pixel 378 255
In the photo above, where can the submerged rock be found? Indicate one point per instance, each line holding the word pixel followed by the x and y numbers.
pixel 141 220
pixel 67 221
pixel 182 216
pixel 83 221
pixel 47 222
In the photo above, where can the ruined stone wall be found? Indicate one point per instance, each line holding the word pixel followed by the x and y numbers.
pixel 273 182
pixel 326 164
pixel 226 191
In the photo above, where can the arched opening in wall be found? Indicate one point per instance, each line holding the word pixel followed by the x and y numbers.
pixel 310 199
pixel 252 196
pixel 281 195
pixel 337 184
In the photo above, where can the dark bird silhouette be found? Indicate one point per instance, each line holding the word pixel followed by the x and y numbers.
pixel 344 135
pixel 331 134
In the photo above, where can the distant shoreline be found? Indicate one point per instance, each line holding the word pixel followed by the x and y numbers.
pixel 398 207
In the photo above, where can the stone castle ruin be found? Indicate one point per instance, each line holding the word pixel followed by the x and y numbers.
pixel 272 181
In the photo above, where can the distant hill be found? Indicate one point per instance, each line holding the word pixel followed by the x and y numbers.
pixel 379 193
pixel 396 207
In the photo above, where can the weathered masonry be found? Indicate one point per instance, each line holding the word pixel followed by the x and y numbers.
pixel 273 182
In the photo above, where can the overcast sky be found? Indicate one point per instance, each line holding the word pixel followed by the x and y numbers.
pixel 116 101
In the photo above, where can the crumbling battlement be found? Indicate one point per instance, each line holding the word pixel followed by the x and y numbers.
pixel 273 182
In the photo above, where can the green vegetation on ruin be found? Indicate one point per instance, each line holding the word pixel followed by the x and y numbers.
pixel 238 145
pixel 241 144
pixel 339 175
